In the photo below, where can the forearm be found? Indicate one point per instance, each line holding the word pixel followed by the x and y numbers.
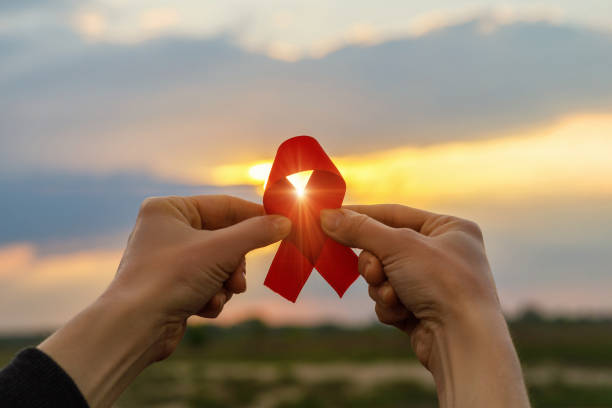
pixel 104 348
pixel 474 363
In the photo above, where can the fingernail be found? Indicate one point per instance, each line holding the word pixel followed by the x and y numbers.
pixel 330 219
pixel 282 224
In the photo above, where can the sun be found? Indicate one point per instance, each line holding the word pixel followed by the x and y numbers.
pixel 299 181
pixel 260 171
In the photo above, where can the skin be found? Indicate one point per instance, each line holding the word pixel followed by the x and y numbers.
pixel 184 257
pixel 428 275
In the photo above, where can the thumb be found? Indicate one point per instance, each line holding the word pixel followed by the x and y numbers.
pixel 252 233
pixel 357 230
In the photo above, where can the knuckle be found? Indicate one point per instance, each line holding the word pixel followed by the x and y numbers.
pixel 152 204
pixel 471 228
pixel 366 259
pixel 365 256
pixel 406 234
pixel 443 221
pixel 451 222
pixel 440 221
pixel 407 238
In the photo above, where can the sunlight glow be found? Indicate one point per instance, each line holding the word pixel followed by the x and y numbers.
pixel 260 171
pixel 568 158
pixel 299 181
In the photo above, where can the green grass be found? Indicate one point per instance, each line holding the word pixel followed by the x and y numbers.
pixel 188 378
pixel 564 396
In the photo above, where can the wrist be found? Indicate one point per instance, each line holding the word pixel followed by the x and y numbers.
pixel 473 360
pixel 105 347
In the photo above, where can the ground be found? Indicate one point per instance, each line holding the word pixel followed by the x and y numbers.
pixel 567 363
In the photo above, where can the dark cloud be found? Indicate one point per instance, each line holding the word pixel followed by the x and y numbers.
pixel 17 6
pixel 49 208
pixel 550 252
pixel 174 97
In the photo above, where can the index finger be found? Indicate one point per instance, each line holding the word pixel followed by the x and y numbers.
pixel 395 215
pixel 220 211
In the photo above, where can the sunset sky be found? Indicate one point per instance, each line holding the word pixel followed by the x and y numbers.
pixel 501 114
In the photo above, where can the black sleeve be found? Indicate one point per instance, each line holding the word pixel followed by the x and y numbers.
pixel 33 379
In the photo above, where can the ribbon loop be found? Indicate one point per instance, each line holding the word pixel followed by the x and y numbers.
pixel 306 247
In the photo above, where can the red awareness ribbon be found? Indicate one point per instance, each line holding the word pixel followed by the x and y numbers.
pixel 306 247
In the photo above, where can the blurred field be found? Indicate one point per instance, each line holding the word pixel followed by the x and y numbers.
pixel 567 362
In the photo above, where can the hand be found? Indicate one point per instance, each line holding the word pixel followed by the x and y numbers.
pixel 422 269
pixel 430 277
pixel 185 256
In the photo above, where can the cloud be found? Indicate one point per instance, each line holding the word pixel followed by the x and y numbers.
pixel 101 24
pixel 39 291
pixel 15 257
pixel 89 128
pixel 551 253
pixel 44 291
pixel 175 104
pixel 90 24
pixel 159 20
pixel 260 27
pixel 59 212
pixel 488 20
pixel 541 252
pixel 567 159
pixel 63 234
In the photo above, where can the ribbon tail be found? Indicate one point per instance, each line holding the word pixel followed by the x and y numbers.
pixel 289 271
pixel 337 264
